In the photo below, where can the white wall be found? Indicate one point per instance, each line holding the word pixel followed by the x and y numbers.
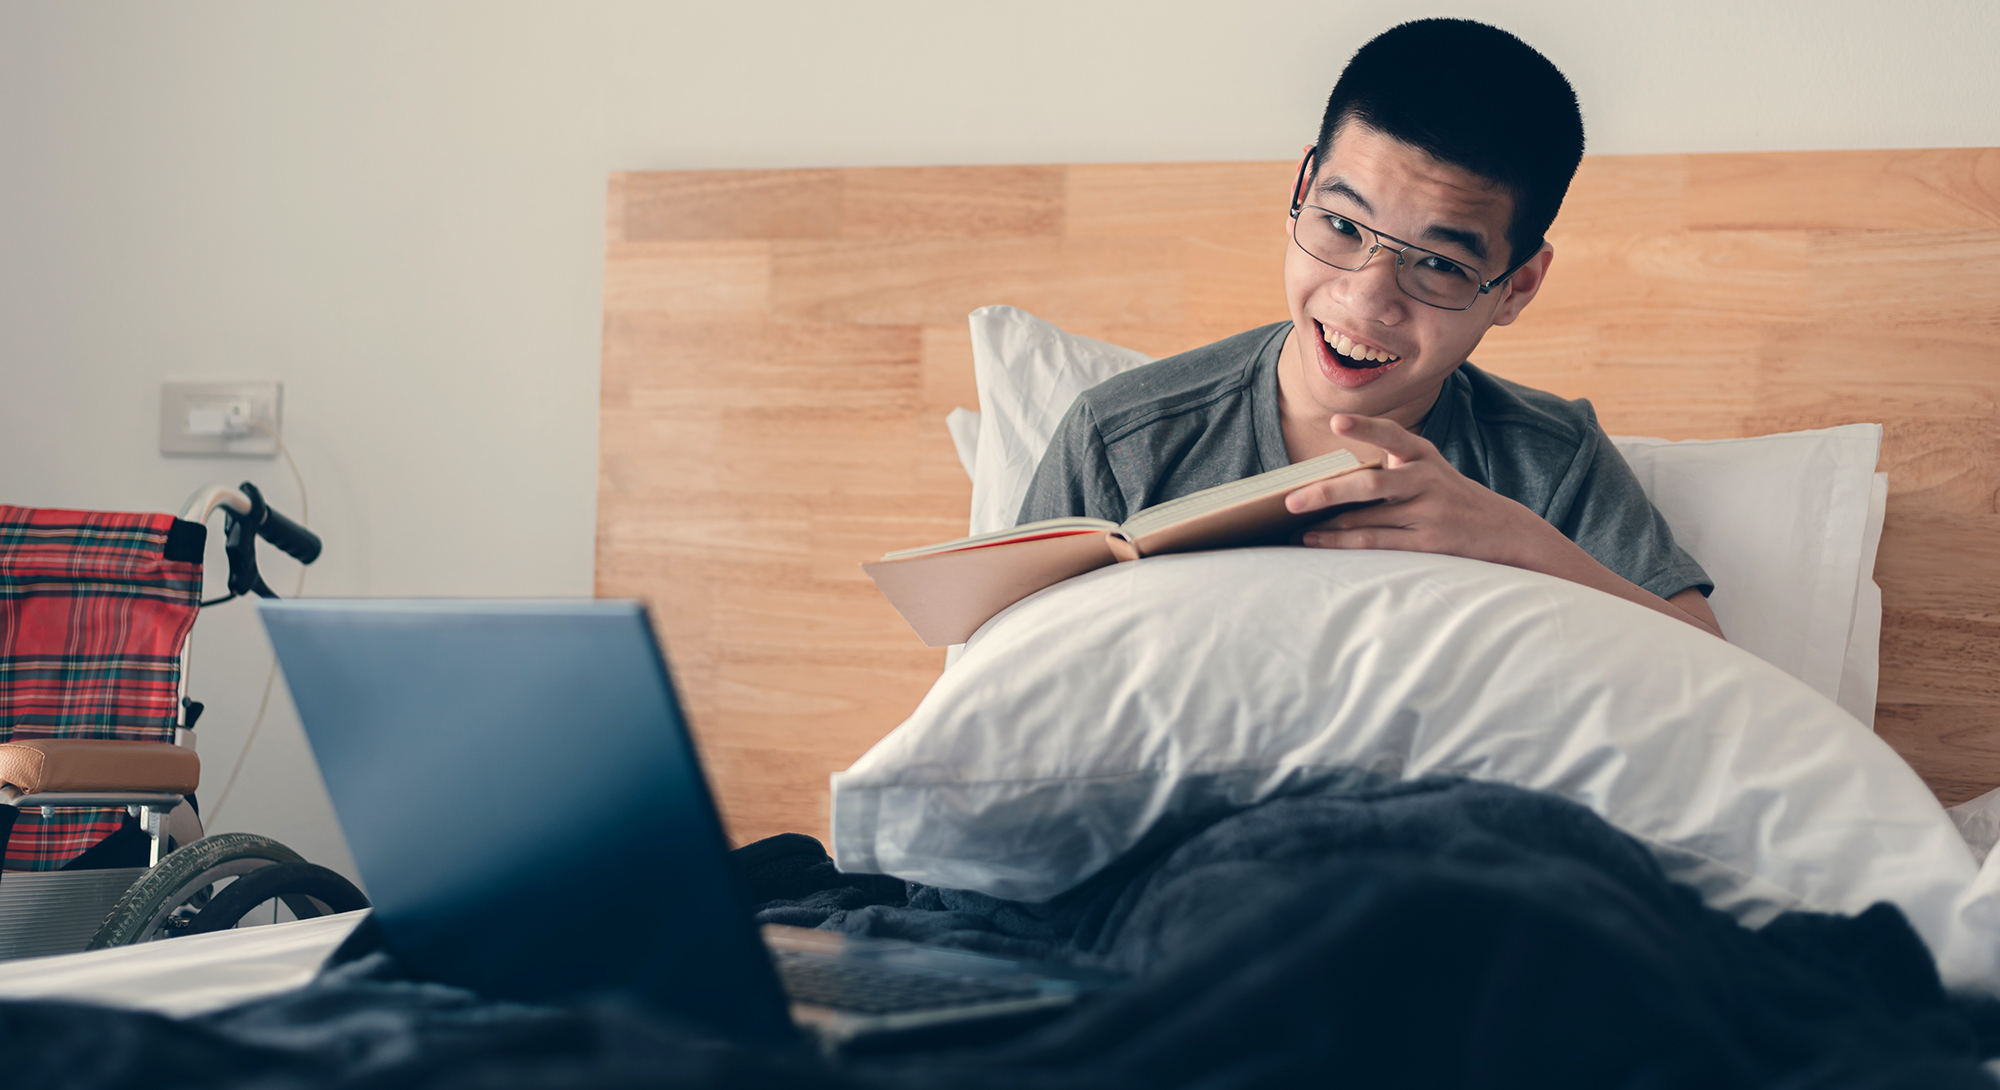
pixel 396 208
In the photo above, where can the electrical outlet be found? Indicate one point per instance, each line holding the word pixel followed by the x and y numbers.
pixel 230 418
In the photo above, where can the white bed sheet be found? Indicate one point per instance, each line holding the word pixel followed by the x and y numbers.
pixel 187 976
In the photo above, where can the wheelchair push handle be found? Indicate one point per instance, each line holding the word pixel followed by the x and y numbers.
pixel 246 518
pixel 297 542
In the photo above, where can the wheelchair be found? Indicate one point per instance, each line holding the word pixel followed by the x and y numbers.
pixel 100 823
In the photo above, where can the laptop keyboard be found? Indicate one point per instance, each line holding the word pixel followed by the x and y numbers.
pixel 872 989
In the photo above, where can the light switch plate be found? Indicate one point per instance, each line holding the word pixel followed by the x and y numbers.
pixel 227 418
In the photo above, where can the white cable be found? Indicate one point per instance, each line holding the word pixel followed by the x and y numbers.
pixel 271 678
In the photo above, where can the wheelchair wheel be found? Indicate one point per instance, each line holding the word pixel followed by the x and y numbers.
pixel 308 889
pixel 169 899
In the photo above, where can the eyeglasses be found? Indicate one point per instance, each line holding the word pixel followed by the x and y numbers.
pixel 1427 276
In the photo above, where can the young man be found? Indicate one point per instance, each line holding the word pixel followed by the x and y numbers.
pixel 1416 226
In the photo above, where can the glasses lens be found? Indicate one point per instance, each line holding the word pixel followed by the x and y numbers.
pixel 1423 275
pixel 1437 280
pixel 1339 242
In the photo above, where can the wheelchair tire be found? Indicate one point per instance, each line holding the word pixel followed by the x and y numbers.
pixel 164 901
pixel 308 889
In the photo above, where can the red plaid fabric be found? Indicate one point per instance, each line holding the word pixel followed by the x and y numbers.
pixel 92 621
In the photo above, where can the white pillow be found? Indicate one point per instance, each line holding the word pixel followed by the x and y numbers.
pixel 1086 715
pixel 964 425
pixel 1785 524
pixel 1028 372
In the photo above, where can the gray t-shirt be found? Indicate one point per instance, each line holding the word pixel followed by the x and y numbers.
pixel 1210 416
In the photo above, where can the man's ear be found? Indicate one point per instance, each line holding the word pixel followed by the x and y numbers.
pixel 1522 287
pixel 1294 194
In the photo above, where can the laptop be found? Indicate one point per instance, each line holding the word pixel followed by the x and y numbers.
pixel 530 818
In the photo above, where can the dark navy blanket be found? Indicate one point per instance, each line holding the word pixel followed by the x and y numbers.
pixel 1437 934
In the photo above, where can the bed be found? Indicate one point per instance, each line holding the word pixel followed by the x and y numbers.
pixel 781 350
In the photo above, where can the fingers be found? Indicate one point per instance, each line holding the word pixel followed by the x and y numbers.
pixel 1373 516
pixel 1363 486
pixel 1398 442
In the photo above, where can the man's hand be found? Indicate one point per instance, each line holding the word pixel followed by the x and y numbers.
pixel 1425 504
pixel 1419 502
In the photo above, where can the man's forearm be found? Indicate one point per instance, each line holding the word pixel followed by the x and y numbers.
pixel 1570 561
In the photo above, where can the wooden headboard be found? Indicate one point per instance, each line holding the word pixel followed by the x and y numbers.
pixel 781 347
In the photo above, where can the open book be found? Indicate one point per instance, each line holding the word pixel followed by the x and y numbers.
pixel 946 591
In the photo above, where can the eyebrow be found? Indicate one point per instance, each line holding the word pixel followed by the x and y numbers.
pixel 1473 244
pixel 1469 240
pixel 1340 188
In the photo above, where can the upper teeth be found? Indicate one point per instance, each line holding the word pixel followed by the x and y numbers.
pixel 1339 343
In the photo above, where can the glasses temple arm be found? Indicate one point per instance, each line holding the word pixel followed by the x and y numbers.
pixel 1515 267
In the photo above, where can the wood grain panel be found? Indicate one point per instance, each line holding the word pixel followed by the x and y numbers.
pixel 953 203
pixel 947 367
pixel 1923 190
pixel 1135 282
pixel 1234 205
pixel 1916 547
pixel 706 279
pixel 1625 194
pixel 1954 747
pixel 726 204
pixel 780 348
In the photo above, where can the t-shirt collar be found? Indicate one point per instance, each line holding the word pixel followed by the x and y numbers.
pixel 1444 411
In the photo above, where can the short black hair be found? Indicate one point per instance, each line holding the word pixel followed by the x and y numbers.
pixel 1439 85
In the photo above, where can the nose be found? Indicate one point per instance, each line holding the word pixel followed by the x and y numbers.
pixel 1370 292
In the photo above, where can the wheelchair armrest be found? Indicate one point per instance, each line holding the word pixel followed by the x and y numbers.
pixel 145 800
pixel 97 766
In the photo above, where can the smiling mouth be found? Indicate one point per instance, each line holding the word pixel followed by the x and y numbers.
pixel 1353 356
pixel 1353 364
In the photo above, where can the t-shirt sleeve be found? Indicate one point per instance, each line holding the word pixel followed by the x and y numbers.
pixel 1074 477
pixel 1611 518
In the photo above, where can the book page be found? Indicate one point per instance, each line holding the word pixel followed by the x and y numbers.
pixel 1027 531
pixel 1278 482
pixel 1260 520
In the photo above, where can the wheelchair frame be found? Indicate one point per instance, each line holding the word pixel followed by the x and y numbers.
pixel 45 912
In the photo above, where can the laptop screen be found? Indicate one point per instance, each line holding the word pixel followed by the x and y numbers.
pixel 519 790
